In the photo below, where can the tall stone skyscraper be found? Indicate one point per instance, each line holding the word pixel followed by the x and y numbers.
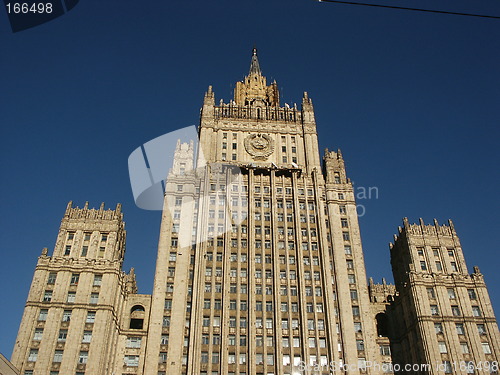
pixel 246 264
pixel 440 306
pixel 260 268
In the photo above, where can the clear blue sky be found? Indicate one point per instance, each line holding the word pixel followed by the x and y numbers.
pixel 412 99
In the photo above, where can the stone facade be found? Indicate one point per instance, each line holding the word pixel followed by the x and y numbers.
pixel 260 267
pixel 439 305
pixel 6 368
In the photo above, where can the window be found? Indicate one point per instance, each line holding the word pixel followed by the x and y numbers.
pixel 87 337
pixel 423 266
pixel 269 323
pixel 215 357
pixel 38 334
pixel 90 317
pixel 434 310
pixel 94 298
pixel 438 327
pixel 66 316
pixel 216 322
pixel 442 347
pixel 360 345
pixel 75 277
pixel 357 327
pixel 52 278
pixel 270 359
pixel 85 250
pixel 430 293
pixel 130 360
pixel 204 357
pixel 481 329
pixel 135 342
pixel 97 280
pixel 486 348
pixel 215 340
pixel 470 367
pixel 168 304
pixel 259 359
pixel 472 294
pixel 47 296
pixel 476 311
pixel 162 357
pixel 33 355
pixel 84 356
pixel 67 250
pixel 312 342
pixel 171 272
pixel 71 297
pixel 460 329
pixel 464 347
pixel 43 315
pixel 451 294
pixel 447 367
pixel 385 350
pixel 455 310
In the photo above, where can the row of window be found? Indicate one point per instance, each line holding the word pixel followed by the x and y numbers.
pixel 83 356
pixel 455 310
pixel 85 250
pixel 305 246
pixel 460 329
pixel 75 278
pixel 464 347
pixel 63 334
pixel 86 236
pixel 258 189
pixel 71 297
pixel 439 266
pixel 66 317
pixel 436 251
pixel 451 293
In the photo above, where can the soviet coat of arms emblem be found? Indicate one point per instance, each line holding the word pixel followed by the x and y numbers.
pixel 260 146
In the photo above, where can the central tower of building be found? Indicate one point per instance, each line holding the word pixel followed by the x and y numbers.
pixel 260 267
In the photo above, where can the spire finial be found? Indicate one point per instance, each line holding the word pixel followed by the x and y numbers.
pixel 254 65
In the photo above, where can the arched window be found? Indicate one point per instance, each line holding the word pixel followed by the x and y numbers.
pixel 382 324
pixel 137 317
pixel 137 308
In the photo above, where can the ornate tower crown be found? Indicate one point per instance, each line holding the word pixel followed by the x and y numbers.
pixel 253 90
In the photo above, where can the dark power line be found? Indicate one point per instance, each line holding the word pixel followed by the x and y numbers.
pixel 405 8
